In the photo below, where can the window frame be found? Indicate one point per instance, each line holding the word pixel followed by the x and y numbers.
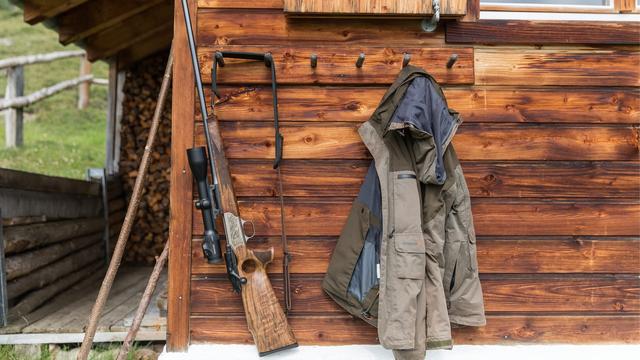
pixel 616 6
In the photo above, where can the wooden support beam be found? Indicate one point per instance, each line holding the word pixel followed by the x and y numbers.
pixel 180 192
pixel 145 48
pixel 36 11
pixel 86 20
pixel 142 26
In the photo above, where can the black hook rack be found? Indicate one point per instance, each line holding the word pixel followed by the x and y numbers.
pixel 360 60
pixel 314 60
pixel 452 60
pixel 406 58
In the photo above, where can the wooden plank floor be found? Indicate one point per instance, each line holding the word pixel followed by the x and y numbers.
pixel 67 314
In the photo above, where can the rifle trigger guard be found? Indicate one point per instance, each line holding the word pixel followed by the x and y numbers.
pixel 253 229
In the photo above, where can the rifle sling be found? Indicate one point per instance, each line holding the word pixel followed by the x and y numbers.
pixel 286 257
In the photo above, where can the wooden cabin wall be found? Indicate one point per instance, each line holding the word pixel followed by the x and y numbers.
pixel 549 147
pixel 151 225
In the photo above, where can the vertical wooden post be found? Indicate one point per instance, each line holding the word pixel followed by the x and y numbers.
pixel 13 125
pixel 3 281
pixel 84 89
pixel 180 196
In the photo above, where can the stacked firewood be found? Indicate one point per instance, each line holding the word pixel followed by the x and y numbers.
pixel 141 89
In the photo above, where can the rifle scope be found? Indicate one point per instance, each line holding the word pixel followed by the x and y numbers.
pixel 206 204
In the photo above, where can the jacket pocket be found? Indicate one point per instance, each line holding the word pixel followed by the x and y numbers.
pixel 410 256
pixel 405 275
pixel 406 203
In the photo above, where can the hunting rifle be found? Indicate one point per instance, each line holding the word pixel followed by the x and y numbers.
pixel 246 269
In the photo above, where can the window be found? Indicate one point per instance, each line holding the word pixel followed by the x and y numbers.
pixel 553 2
pixel 562 6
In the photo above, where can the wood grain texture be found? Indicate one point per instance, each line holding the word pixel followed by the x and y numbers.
pixel 364 7
pixel 83 21
pixel 336 65
pixel 111 40
pixel 505 329
pixel 264 315
pixel 329 140
pixel 543 32
pixel 475 104
pixel 608 67
pixel 36 11
pixel 182 130
pixel 492 217
pixel 502 294
pixel 15 179
pixel 496 255
pixel 308 178
pixel 240 4
pixel 271 27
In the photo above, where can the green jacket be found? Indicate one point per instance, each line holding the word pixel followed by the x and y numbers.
pixel 406 258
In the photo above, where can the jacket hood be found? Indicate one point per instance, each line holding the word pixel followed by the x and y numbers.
pixel 419 109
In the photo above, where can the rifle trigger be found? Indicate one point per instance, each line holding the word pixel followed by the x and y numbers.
pixel 253 229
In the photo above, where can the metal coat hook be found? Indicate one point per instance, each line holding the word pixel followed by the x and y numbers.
pixel 314 60
pixel 406 59
pixel 360 60
pixel 430 25
pixel 452 60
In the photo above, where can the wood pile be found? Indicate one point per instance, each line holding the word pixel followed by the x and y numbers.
pixel 141 89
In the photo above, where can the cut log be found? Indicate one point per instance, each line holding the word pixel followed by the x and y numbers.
pixel 25 237
pixel 24 263
pixel 55 271
pixel 39 297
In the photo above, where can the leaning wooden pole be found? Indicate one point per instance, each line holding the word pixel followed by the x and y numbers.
pixel 144 303
pixel 116 258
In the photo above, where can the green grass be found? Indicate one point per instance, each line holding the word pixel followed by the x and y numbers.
pixel 103 351
pixel 59 139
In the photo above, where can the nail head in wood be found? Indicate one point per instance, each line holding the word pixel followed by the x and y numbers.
pixel 452 60
pixel 406 59
pixel 314 60
pixel 360 60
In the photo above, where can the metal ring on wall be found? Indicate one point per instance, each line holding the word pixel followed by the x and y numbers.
pixel 430 25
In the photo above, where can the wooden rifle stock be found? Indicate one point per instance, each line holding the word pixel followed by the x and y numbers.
pixel 265 318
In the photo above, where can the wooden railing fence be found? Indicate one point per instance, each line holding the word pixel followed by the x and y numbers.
pixel 15 100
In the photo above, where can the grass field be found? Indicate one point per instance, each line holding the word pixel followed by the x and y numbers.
pixel 59 139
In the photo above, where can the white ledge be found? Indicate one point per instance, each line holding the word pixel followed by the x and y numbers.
pixel 374 352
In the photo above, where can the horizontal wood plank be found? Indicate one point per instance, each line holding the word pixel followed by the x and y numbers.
pixel 475 104
pixel 512 294
pixel 557 67
pixel 492 217
pixel 506 329
pixel 369 7
pixel 244 26
pixel 543 32
pixel 473 141
pixel 240 4
pixel 510 255
pixel 336 64
pixel 484 179
pixel 22 180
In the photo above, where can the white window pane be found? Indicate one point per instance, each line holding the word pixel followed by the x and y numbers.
pixel 552 2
